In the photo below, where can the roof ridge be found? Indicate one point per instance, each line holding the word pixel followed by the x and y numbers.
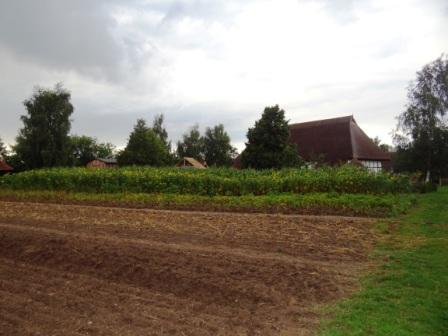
pixel 313 122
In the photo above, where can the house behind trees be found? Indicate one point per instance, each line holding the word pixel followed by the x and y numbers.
pixel 103 163
pixel 5 168
pixel 336 141
pixel 189 162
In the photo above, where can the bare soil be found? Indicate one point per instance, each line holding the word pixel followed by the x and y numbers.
pixel 83 270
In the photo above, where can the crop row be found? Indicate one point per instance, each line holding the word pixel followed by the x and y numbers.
pixel 312 203
pixel 210 182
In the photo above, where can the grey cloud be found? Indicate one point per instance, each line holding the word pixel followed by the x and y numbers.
pixel 204 13
pixel 82 35
pixel 69 35
pixel 61 37
pixel 79 36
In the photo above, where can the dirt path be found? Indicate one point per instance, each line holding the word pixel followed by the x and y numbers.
pixel 80 270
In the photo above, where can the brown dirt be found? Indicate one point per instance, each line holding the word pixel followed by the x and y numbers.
pixel 80 270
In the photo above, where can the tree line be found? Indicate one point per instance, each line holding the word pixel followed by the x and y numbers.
pixel 421 136
pixel 45 140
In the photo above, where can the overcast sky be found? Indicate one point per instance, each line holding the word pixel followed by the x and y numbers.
pixel 216 61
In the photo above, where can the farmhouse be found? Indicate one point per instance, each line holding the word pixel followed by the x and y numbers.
pixel 336 141
pixel 5 168
pixel 103 163
pixel 189 162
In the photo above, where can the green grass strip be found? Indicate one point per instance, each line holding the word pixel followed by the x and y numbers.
pixel 312 203
pixel 408 295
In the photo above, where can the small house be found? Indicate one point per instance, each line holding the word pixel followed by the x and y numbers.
pixel 5 168
pixel 189 162
pixel 103 163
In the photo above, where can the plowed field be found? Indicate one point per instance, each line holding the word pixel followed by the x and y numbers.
pixel 80 270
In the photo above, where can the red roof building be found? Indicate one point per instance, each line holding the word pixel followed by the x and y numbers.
pixel 336 141
pixel 103 163
pixel 5 168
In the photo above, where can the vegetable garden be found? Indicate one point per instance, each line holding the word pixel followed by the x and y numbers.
pixel 343 190
pixel 210 182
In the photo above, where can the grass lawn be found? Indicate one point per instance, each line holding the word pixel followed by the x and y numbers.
pixel 408 294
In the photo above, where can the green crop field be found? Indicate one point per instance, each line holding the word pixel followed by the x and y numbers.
pixel 344 190
pixel 211 182
pixel 311 203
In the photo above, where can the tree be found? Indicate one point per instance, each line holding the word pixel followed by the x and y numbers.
pixel 84 149
pixel 425 113
pixel 144 147
pixel 3 150
pixel 440 154
pixel 192 144
pixel 217 148
pixel 410 156
pixel 376 140
pixel 44 141
pixel 160 131
pixel 268 145
pixel 105 150
pixel 384 147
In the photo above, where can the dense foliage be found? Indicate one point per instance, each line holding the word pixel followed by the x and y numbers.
pixel 84 149
pixel 191 145
pixel 144 147
pixel 268 142
pixel 230 182
pixel 423 144
pixel 217 148
pixel 43 141
pixel 159 129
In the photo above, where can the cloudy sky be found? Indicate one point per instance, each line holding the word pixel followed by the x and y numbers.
pixel 216 61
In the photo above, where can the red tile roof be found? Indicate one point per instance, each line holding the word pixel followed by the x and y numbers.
pixel 338 139
pixel 4 166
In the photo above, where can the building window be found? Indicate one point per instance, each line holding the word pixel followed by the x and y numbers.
pixel 373 166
